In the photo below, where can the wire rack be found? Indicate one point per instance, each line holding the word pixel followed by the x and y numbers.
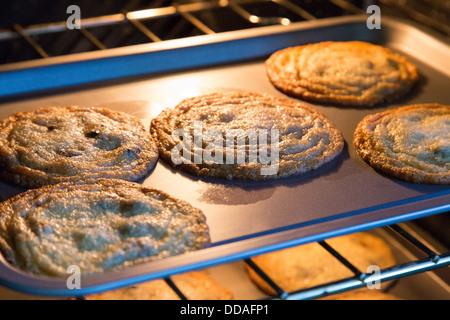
pixel 146 23
pixel 431 261
pixel 183 19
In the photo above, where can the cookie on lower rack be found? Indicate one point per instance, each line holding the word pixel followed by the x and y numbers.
pixel 63 144
pixel 352 73
pixel 363 295
pixel 98 226
pixel 410 143
pixel 196 285
pixel 245 135
pixel 310 265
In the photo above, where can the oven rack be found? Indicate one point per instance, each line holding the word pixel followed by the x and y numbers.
pixel 137 17
pixel 187 11
pixel 431 260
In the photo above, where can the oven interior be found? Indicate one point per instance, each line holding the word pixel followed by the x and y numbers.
pixel 33 30
pixel 37 29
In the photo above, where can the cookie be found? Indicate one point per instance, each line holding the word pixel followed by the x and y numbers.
pixel 410 143
pixel 65 144
pixel 98 226
pixel 310 265
pixel 363 295
pixel 350 73
pixel 245 135
pixel 196 285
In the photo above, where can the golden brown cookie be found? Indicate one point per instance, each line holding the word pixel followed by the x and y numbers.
pixel 410 143
pixel 310 265
pixel 363 295
pixel 245 135
pixel 65 144
pixel 96 225
pixel 350 73
pixel 196 285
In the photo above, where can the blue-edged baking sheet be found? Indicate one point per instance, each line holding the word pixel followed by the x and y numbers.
pixel 245 217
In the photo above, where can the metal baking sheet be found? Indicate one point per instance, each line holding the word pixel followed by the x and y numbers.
pixel 245 218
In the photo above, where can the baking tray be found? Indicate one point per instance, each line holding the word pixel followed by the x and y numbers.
pixel 245 218
pixel 234 277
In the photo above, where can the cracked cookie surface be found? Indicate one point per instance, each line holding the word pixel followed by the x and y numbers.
pixel 410 143
pixel 97 225
pixel 306 140
pixel 62 144
pixel 350 73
